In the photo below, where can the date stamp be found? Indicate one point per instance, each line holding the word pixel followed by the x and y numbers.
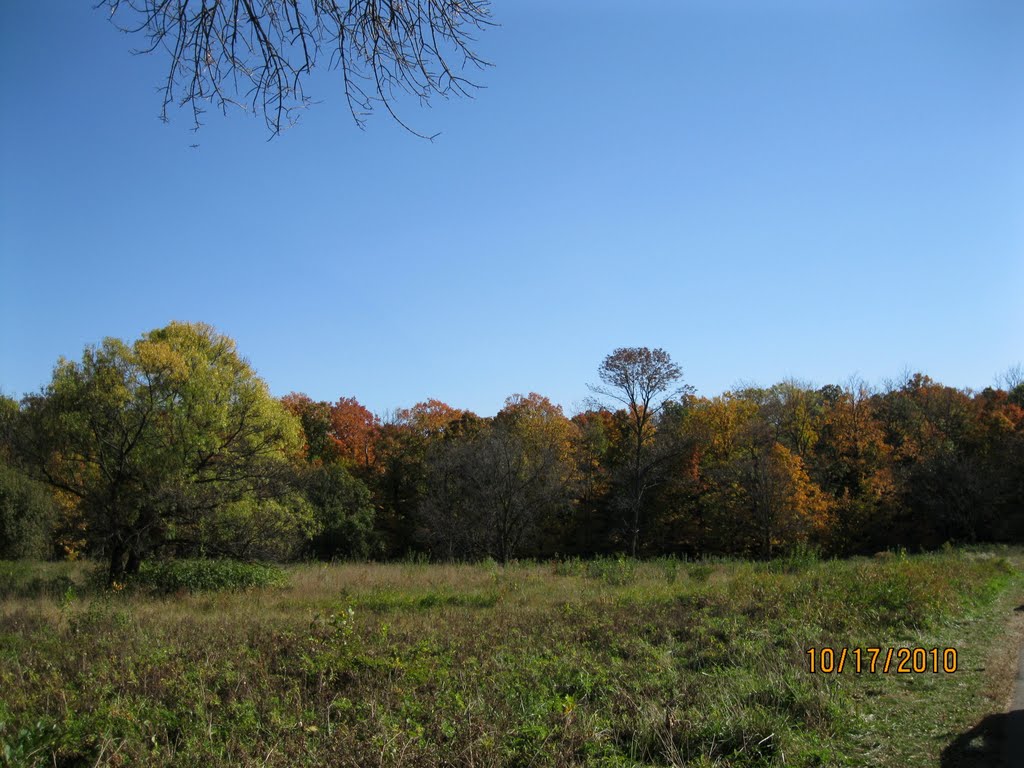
pixel 901 661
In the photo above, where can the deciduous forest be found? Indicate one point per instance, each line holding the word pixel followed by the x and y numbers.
pixel 171 445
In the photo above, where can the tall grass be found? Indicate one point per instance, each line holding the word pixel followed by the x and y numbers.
pixel 611 662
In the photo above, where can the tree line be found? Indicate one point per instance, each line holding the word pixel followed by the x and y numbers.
pixel 172 446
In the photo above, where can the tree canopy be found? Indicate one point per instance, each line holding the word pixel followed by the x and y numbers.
pixel 169 441
pixel 172 445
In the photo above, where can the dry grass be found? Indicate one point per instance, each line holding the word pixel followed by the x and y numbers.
pixel 606 662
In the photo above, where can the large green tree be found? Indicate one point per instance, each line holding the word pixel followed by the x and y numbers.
pixel 169 441
pixel 344 512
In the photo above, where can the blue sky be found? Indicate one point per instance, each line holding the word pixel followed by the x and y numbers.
pixel 766 190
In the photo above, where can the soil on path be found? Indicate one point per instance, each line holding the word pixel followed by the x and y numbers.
pixel 998 740
pixel 1014 748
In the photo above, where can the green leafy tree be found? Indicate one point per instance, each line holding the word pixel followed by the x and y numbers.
pixel 170 441
pixel 344 512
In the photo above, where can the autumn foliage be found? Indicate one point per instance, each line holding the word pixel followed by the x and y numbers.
pixel 649 467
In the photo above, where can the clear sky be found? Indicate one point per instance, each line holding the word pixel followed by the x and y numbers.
pixel 795 188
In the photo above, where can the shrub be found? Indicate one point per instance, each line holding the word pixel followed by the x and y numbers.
pixel 616 572
pixel 27 579
pixel 169 576
pixel 28 514
pixel 797 560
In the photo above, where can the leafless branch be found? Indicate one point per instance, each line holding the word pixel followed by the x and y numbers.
pixel 257 54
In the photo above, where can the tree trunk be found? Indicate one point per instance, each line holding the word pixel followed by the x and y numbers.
pixel 116 572
pixel 134 561
pixel 636 527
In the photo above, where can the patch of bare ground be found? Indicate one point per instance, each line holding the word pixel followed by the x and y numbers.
pixel 997 739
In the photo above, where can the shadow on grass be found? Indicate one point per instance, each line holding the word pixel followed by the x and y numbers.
pixel 995 742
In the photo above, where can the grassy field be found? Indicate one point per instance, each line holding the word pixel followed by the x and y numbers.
pixel 606 663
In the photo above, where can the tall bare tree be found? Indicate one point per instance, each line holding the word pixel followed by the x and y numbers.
pixel 641 380
pixel 258 54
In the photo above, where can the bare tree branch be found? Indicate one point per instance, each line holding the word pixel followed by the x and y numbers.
pixel 257 54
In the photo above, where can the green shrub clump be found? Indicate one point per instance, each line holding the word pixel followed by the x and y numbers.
pixel 24 578
pixel 169 576
pixel 28 515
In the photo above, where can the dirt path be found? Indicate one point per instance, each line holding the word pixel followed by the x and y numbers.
pixel 1014 746
pixel 997 741
pixel 1013 721
pixel 1007 668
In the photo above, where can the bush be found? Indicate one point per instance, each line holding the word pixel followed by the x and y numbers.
pixel 616 572
pixel 797 560
pixel 169 576
pixel 28 514
pixel 29 579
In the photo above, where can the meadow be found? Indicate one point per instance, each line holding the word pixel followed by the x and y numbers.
pixel 608 662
